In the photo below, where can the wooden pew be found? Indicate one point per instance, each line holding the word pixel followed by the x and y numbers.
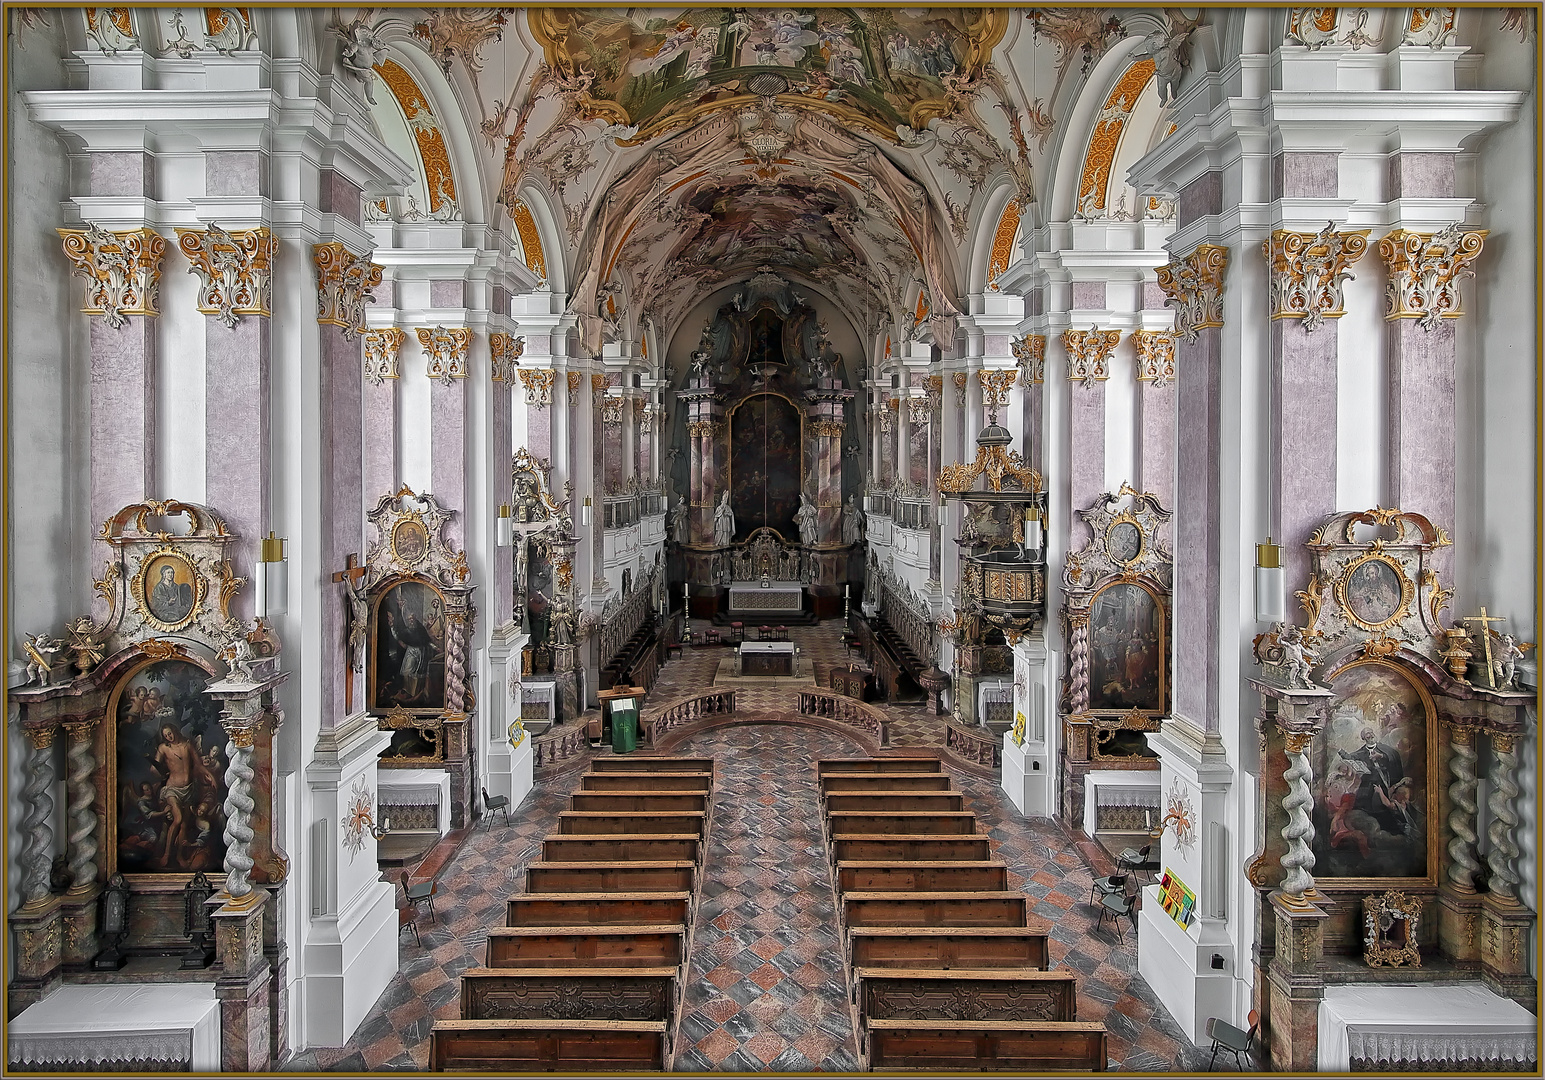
pixel 870 847
pixel 878 765
pixel 635 764
pixel 949 947
pixel 516 1046
pixel 598 909
pixel 984 993
pixel 626 847
pixel 935 909
pixel 885 802
pixel 934 822
pixel 586 946
pixel 610 823
pixel 626 781
pixel 958 875
pixel 640 802
pixel 594 877
pixel 985 1045
pixel 923 781
pixel 622 993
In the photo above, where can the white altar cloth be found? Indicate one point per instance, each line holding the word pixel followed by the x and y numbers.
pixel 97 1024
pixel 1430 1024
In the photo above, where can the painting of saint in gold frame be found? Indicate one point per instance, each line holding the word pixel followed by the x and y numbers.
pixel 1374 592
pixel 407 663
pixel 1127 647
pixel 168 589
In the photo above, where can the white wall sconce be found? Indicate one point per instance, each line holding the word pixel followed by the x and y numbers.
pixel 586 511
pixel 506 533
pixel 944 511
pixel 1269 603
pixel 1033 536
pixel 273 576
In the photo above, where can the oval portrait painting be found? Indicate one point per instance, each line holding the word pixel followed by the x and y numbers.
pixel 170 589
pixel 1123 542
pixel 410 541
pixel 1373 592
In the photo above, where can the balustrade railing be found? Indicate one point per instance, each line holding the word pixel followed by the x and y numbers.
pixel 558 745
pixel 682 712
pixel 984 749
pixel 902 617
pixel 913 513
pixel 620 627
pixel 845 710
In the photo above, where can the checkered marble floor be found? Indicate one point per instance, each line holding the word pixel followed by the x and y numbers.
pixel 766 988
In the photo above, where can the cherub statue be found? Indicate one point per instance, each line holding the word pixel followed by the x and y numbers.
pixel 237 652
pixel 1504 663
pixel 362 51
pixel 1295 662
pixel 40 649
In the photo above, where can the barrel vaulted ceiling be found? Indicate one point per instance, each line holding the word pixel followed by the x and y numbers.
pixel 857 150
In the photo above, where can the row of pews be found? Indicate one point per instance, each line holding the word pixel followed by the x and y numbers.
pixel 948 969
pixel 589 972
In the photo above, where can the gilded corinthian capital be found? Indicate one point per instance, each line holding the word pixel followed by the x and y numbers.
pixel 1193 286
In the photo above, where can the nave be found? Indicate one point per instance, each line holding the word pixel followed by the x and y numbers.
pixel 767 988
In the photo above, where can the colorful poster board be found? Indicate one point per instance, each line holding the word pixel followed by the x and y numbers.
pixel 1178 901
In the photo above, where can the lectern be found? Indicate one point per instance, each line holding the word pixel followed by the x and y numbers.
pixel 619 717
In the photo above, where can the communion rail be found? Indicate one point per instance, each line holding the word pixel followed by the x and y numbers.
pixel 846 710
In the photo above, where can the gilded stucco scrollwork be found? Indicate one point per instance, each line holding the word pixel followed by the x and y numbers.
pixel 1307 271
pixel 381 350
pixel 446 350
pixel 344 284
pixel 539 386
pixel 996 386
pixel 1030 351
pixel 1425 270
pixel 1155 356
pixel 122 270
pixel 1193 286
pixel 235 270
pixel 1003 244
pixel 505 351
pixel 1089 354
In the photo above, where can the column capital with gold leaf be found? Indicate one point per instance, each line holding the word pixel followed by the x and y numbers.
pixel 1089 354
pixel 122 270
pixel 1030 351
pixel 1425 270
pixel 1307 271
pixel 344 284
pixel 1193 286
pixel 446 350
pixel 235 270
pixel 505 350
pixel 1155 356
pixel 381 350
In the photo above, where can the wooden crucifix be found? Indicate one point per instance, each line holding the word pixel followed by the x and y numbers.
pixel 359 617
pixel 1484 619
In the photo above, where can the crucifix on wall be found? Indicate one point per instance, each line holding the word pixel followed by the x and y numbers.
pixel 352 577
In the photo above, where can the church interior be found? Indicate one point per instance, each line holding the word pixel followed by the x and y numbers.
pixel 772 540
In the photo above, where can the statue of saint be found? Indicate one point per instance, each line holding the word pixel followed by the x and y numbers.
pixel 852 522
pixel 723 522
pixel 807 517
pixel 679 522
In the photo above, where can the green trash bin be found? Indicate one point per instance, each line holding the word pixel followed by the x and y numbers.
pixel 624 726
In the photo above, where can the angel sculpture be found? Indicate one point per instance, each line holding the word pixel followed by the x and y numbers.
pixel 362 51
pixel 1504 665
pixel 40 649
pixel 1294 658
pixel 238 652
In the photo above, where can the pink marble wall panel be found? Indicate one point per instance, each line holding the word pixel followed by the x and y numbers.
pixel 447 294
pixel 1304 176
pixel 611 453
pixel 123 416
pixel 539 426
pixel 236 459
pixel 342 502
pixel 384 294
pixel 1199 198
pixel 131 173
pixel 917 454
pixel 1086 455
pixel 338 195
pixel 1421 176
pixel 448 453
pixel 1035 421
pixel 1421 422
pixel 1304 433
pixel 1156 435
pixel 380 440
pixel 239 172
pixel 504 567
pixel 1153 296
pixel 1088 295
pixel 1197 494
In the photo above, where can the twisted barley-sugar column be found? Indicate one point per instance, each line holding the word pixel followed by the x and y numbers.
pixel 239 805
pixel 1504 819
pixel 1298 860
pixel 1463 861
pixel 80 763
pixel 1078 663
pixel 38 851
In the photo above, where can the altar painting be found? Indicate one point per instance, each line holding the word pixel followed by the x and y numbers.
pixel 170 772
pixel 408 644
pixel 1126 650
pixel 766 464
pixel 1370 810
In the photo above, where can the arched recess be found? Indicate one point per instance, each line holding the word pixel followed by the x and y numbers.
pixel 538 235
pixel 995 245
pixel 1060 197
pixel 1131 105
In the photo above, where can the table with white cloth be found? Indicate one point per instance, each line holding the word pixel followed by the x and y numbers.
pixel 88 1027
pixel 1434 1025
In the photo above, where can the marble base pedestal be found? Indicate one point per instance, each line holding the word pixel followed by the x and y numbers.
pixel 37 949
pixel 242 990
pixel 79 911
pixel 1026 777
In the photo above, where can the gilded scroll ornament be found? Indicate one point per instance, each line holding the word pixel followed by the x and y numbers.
pixel 235 270
pixel 1089 354
pixel 111 29
pixel 1425 270
pixel 505 351
pixel 1312 27
pixel 446 350
pixel 1193 286
pixel 1030 351
pixel 995 390
pixel 344 284
pixel 381 349
pixel 539 386
pixel 1155 356
pixel 530 239
pixel 1003 243
pixel 1307 271
pixel 122 269
pixel 827 429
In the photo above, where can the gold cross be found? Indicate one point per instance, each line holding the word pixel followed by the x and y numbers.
pixel 1483 619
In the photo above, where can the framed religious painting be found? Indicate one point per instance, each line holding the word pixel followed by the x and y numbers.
pixel 1374 591
pixel 407 644
pixel 167 810
pixel 1375 780
pixel 1128 650
pixel 168 590
pixel 410 541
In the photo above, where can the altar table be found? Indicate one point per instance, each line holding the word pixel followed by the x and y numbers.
pixel 766 658
pixel 1438 1026
pixel 777 597
pixel 88 1027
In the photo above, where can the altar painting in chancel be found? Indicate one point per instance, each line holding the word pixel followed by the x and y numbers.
pixel 170 778
pixel 766 464
pixel 409 648
pixel 1127 646
pixel 1371 761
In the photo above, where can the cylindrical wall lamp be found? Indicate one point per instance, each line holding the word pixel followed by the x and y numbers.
pixel 273 576
pixel 506 534
pixel 944 511
pixel 586 510
pixel 1269 604
pixel 1033 535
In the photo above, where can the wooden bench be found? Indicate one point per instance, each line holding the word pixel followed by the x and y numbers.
pixel 591 877
pixel 585 946
pixel 935 909
pixel 923 781
pixel 627 847
pixel 621 781
pixel 636 764
pixel 985 1046
pixel 598 909
pixel 957 875
pixel 885 802
pixel 934 822
pixel 640 802
pixel 516 1046
pixel 867 847
pixel 620 993
pixel 949 947
pixel 878 765
pixel 981 993
pixel 609 823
